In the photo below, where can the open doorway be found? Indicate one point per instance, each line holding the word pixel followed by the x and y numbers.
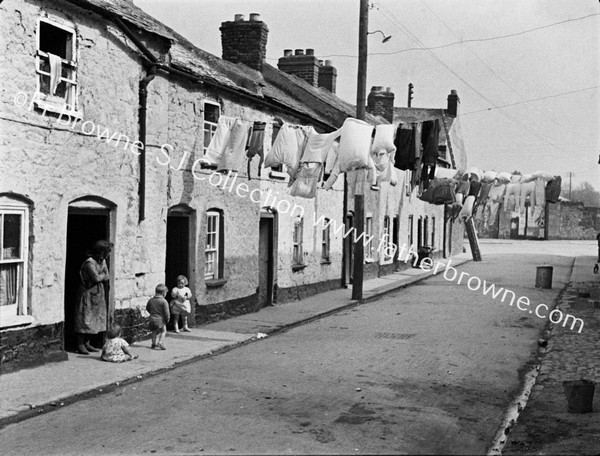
pixel 85 226
pixel 266 258
pixel 349 248
pixel 178 260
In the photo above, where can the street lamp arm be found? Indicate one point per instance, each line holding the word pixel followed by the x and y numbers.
pixel 385 39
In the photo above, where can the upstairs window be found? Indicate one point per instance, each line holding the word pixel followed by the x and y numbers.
pixel 368 234
pixel 56 67
pixel 212 112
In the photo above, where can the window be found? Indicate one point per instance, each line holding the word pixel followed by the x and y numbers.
pixel 368 234
pixel 387 239
pixel 425 231
pixel 410 231
pixel 56 67
pixel 298 254
pixel 213 252
pixel 432 232
pixel 14 235
pixel 212 112
pixel 325 243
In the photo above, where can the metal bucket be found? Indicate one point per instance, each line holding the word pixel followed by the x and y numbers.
pixel 580 395
pixel 543 277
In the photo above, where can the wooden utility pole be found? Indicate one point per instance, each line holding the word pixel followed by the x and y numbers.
pixel 361 95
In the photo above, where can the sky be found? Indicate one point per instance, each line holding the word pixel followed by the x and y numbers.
pixel 529 101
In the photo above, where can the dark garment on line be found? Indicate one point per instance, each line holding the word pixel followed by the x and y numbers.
pixel 256 145
pixel 430 138
pixel 405 148
pixel 463 187
pixel 485 191
pixel 553 189
pixel 474 189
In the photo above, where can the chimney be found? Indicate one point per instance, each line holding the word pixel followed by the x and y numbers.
pixel 453 103
pixel 301 64
pixel 245 41
pixel 327 76
pixel 380 102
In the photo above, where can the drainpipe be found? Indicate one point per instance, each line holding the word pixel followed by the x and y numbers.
pixel 143 107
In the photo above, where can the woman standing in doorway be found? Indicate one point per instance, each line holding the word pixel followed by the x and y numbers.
pixel 90 310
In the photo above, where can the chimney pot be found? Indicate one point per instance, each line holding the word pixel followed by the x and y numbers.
pixel 244 42
pixel 310 52
pixel 453 103
pixel 320 63
pixel 377 89
pixel 299 52
pixel 388 89
pixel 287 52
pixel 254 17
pixel 328 63
pixel 380 102
pixel 238 17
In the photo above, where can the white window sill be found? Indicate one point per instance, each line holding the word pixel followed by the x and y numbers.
pixel 16 320
pixel 277 175
pixel 369 260
pixel 57 106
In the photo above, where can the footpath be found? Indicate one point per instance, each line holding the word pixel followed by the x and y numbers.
pixel 30 392
pixel 545 426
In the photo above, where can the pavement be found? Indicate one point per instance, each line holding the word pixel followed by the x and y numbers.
pixel 545 426
pixel 30 392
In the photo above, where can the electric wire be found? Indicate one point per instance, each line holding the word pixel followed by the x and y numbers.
pixel 394 20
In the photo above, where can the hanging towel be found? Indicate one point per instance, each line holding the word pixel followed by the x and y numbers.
pixel 405 148
pixel 234 152
pixel 219 141
pixel 527 189
pixel 286 149
pixel 540 192
pixel 318 146
pixel 256 146
pixel 331 159
pixel 512 197
pixel 383 153
pixel 305 184
pixel 355 144
pixel 55 72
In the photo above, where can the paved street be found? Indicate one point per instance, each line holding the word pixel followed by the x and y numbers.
pixel 426 369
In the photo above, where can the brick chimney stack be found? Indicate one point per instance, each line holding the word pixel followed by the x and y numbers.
pixel 380 102
pixel 453 103
pixel 300 64
pixel 327 76
pixel 245 41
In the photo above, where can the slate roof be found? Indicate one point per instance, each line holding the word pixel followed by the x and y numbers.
pixel 270 85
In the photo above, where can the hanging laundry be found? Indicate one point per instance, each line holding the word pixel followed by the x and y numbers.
pixel 405 147
pixel 527 190
pixel 55 72
pixel 489 176
pixel 429 140
pixel 355 144
pixel 333 176
pixel 464 184
pixel 474 189
pixel 383 153
pixel 495 197
pixel 418 154
pixel 474 174
pixel 440 191
pixel 512 196
pixel 553 189
pixel 331 159
pixel 540 192
pixel 219 141
pixel 503 177
pixel 467 209
pixel 445 173
pixel 287 149
pixel 318 146
pixel 256 146
pixel 543 175
pixel 514 178
pixel 234 152
pixel 307 179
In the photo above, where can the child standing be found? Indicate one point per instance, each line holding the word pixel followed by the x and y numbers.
pixel 158 308
pixel 181 303
pixel 115 349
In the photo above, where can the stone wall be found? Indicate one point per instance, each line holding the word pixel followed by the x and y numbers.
pixel 569 220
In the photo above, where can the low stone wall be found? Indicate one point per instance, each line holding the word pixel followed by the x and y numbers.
pixel 209 313
pixel 282 295
pixel 31 347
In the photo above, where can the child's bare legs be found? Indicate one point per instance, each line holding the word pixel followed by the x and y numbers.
pixel 161 337
pixel 154 337
pixel 176 323
pixel 185 325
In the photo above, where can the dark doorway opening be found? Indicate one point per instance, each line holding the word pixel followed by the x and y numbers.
pixel 266 260
pixel 177 261
pixel 396 236
pixel 84 228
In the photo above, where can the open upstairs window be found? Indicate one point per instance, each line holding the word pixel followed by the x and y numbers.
pixel 56 67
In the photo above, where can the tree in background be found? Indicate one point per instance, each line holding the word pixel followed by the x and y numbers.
pixel 586 194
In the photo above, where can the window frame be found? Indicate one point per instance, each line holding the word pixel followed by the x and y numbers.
pixel 212 126
pixel 218 249
pixel 387 236
pixel 69 105
pixel 432 232
pixel 298 243
pixel 368 232
pixel 18 313
pixel 326 242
